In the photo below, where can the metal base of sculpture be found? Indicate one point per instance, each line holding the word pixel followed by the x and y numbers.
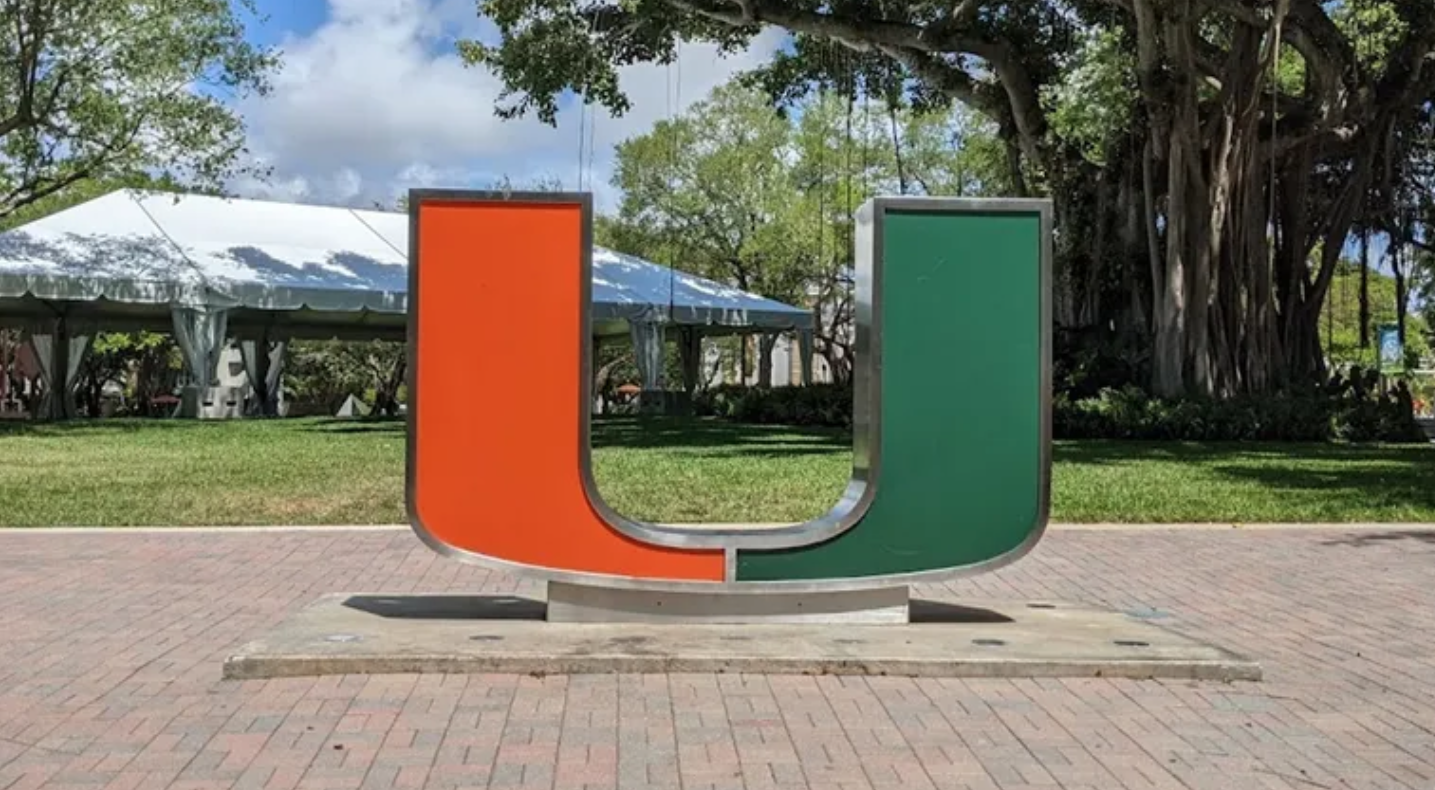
pixel 577 603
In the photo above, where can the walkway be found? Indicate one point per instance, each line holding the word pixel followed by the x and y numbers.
pixel 110 650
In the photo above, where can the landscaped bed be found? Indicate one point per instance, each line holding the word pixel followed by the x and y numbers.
pixel 350 472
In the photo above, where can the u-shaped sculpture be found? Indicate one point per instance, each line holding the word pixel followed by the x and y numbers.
pixel 952 443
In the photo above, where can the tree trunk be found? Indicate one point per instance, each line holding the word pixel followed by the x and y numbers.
pixel 1165 322
pixel 1168 358
pixel 1365 289
pixel 1233 310
pixel 1261 347
pixel 1204 234
pixel 386 391
pixel 897 146
pixel 1013 161
pixel 1292 280
pixel 1195 233
pixel 1090 313
pixel 1133 237
pixel 765 344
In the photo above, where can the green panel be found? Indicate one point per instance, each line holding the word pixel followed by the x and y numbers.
pixel 964 459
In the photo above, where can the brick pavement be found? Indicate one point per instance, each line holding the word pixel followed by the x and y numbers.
pixel 110 651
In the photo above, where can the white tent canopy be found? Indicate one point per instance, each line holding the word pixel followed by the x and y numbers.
pixel 199 251
pixel 214 267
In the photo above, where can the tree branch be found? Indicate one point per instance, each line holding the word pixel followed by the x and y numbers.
pixel 952 81
pixel 1316 36
pixel 891 37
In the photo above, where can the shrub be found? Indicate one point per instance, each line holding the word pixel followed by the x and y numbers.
pixel 1349 407
pixel 1129 413
pixel 817 405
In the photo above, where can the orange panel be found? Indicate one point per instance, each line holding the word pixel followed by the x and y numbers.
pixel 498 388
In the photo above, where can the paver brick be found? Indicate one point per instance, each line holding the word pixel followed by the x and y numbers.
pixel 112 644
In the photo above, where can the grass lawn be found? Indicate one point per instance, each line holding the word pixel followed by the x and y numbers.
pixel 337 472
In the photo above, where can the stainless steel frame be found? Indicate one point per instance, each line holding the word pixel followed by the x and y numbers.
pixel 861 488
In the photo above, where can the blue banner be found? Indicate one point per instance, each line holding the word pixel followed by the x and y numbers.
pixel 1392 353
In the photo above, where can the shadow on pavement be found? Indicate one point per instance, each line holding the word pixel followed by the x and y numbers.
pixel 1364 539
pixel 510 607
pixel 449 607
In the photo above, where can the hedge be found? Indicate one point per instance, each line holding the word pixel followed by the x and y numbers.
pixel 1347 408
pixel 817 404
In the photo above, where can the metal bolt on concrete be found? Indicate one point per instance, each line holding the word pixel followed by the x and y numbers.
pixel 111 648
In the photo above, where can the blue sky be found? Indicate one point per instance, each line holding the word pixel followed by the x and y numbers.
pixel 296 17
pixel 372 100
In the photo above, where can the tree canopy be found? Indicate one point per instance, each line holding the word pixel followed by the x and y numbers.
pixel 1208 159
pixel 736 192
pixel 96 89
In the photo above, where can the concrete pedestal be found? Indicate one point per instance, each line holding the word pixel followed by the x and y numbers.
pixel 211 403
pixel 355 634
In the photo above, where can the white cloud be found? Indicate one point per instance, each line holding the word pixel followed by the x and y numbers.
pixel 376 100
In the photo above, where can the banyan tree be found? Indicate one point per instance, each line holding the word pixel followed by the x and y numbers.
pixel 1208 159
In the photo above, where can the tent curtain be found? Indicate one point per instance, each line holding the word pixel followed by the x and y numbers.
pixel 647 339
pixel 264 366
pixel 690 346
pixel 274 377
pixel 60 351
pixel 200 332
pixel 255 368
pixel 80 342
pixel 766 343
pixel 804 350
pixel 42 340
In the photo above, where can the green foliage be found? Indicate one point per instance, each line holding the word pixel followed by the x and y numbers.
pixel 100 89
pixel 1423 286
pixel 553 46
pixel 316 380
pixel 1086 362
pixel 702 192
pixel 144 364
pixel 1340 320
pixel 1091 106
pixel 736 192
pixel 1291 72
pixel 947 152
pixel 320 375
pixel 613 367
pixel 816 405
pixel 1373 27
pixel 1056 78
pixel 1349 408
pixel 1422 394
